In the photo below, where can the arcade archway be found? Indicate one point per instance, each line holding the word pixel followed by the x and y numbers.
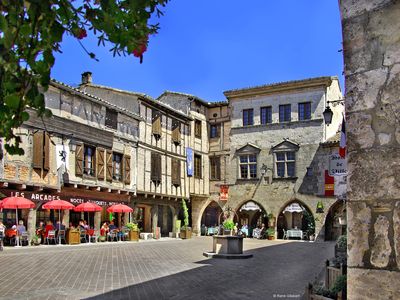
pixel 210 215
pixel 295 215
pixel 335 222
pixel 251 215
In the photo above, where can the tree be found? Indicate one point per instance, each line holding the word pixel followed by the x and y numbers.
pixel 31 32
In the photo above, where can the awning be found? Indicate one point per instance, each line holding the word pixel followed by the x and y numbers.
pixel 250 206
pixel 294 207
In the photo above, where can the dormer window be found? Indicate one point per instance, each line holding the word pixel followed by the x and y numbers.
pixel 247 161
pixel 285 159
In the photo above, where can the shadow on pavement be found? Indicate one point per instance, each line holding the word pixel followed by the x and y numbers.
pixel 278 271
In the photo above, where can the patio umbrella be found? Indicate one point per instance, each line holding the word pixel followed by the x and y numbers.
pixel 16 203
pixel 88 207
pixel 119 208
pixel 58 204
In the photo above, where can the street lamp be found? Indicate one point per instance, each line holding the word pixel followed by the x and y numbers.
pixel 328 113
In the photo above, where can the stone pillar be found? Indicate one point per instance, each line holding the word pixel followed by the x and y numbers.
pixel 154 218
pixel 126 218
pixel 65 218
pixel 97 220
pixel 174 219
pixel 196 215
pixel 371 41
pixel 31 226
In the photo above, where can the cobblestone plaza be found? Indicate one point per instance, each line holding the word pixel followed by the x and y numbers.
pixel 163 269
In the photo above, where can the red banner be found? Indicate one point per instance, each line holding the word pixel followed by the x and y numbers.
pixel 223 194
pixel 329 184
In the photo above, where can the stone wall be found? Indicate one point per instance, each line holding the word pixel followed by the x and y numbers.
pixel 371 40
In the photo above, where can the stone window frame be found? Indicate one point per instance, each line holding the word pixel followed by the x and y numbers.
pixel 304 111
pixel 284 115
pixel 285 161
pixel 268 115
pixel 248 117
pixel 248 163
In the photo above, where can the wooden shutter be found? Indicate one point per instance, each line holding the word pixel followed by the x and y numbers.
pixel 109 161
pixel 155 167
pixel 176 172
pixel 176 132
pixel 46 152
pixel 38 149
pixel 127 169
pixel 79 160
pixel 156 120
pixel 100 163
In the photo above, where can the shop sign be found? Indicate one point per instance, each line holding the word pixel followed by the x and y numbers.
pixel 337 165
pixel 50 197
pixel 223 195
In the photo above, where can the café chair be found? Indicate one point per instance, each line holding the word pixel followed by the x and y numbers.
pixel 83 236
pixel 24 239
pixel 51 235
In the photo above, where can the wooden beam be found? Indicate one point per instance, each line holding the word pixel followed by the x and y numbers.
pixel 37 188
pixel 21 187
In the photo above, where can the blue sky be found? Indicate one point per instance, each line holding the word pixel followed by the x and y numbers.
pixel 205 47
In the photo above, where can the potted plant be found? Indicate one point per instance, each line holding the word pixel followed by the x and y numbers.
pixel 36 240
pixel 271 220
pixel 186 231
pixel 228 227
pixel 133 231
pixel 271 233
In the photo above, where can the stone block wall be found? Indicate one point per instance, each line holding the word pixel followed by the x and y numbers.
pixel 371 41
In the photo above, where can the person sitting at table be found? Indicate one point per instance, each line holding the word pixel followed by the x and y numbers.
pixel 262 232
pixel 256 232
pixel 104 229
pixel 49 226
pixel 60 226
pixel 112 226
pixel 85 225
pixel 40 231
pixel 81 225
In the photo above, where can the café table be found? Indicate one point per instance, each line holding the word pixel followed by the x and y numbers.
pixel 294 233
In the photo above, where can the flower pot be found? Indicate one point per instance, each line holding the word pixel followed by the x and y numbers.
pixel 186 233
pixel 228 232
pixel 134 235
pixel 271 237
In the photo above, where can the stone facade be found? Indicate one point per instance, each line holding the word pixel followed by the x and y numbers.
pixel 371 35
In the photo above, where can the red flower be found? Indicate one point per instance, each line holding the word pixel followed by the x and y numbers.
pixel 81 33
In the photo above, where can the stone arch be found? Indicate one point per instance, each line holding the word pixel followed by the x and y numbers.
pixel 289 220
pixel 251 218
pixel 210 213
pixel 333 226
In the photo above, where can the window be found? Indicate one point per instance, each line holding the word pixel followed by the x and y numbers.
pixel 176 132
pixel 155 175
pixel 285 112
pixel 175 172
pixel 248 117
pixel 266 115
pixel 111 119
pixel 215 168
pixel 117 170
pixel 197 129
pixel 305 111
pixel 285 164
pixel 214 131
pixel 89 160
pixel 248 166
pixel 156 124
pixel 41 146
pixel 197 166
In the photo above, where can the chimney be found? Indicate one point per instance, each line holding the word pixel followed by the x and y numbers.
pixel 87 78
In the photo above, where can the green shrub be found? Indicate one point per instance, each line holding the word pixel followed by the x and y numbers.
pixel 271 231
pixel 342 242
pixel 228 224
pixel 185 214
pixel 132 226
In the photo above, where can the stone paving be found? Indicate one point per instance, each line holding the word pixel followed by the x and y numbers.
pixel 163 269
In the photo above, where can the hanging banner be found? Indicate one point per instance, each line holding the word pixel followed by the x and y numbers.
pixel 189 161
pixel 329 184
pixel 223 194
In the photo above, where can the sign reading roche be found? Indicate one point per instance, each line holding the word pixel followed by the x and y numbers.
pixel 337 165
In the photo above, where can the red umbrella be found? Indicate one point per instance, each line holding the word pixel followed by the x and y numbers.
pixel 58 204
pixel 16 202
pixel 119 208
pixel 88 206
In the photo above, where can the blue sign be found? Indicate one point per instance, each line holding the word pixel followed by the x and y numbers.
pixel 189 161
